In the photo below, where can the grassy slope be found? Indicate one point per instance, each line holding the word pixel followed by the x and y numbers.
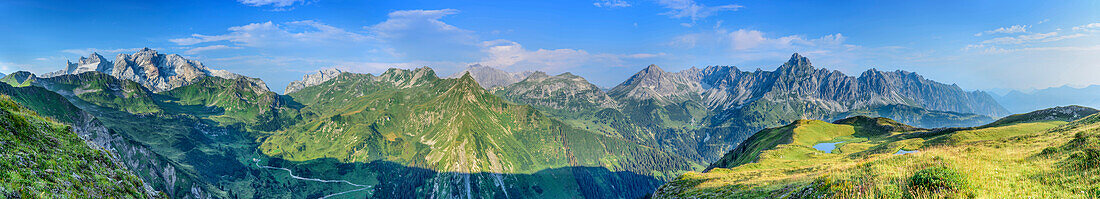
pixel 1017 160
pixel 202 130
pixel 106 91
pixel 449 125
pixel 42 158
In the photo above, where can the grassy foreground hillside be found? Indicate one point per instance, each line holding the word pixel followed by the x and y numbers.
pixel 1022 156
pixel 42 158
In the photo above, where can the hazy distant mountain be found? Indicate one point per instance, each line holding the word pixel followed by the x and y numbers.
pixel 489 77
pixel 1020 102
pixel 157 72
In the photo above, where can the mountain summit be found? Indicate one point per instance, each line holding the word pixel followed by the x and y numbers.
pixel 156 72
pixel 727 87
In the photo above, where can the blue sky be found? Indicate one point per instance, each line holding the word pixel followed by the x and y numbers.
pixel 989 45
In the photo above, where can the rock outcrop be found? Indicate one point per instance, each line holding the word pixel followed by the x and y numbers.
pixel 313 79
pixel 564 91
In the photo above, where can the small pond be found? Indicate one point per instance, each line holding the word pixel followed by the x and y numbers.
pixel 903 151
pixel 827 147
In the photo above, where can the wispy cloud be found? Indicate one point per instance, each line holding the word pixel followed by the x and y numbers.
pixel 611 3
pixel 88 51
pixel 268 34
pixel 197 50
pixel 754 40
pixel 693 10
pixel 1006 30
pixel 407 38
pixel 1031 38
pixel 511 55
pixel 275 3
pixel 421 35
pixel 1036 42
pixel 1092 27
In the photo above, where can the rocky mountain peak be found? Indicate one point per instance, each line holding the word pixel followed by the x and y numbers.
pixel 93 62
pixel 653 69
pixel 467 87
pixel 664 87
pixel 796 63
pixel 537 76
pixel 308 80
pixel 156 72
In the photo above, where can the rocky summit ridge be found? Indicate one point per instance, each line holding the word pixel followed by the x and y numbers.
pixel 155 71
pixel 726 87
pixel 313 79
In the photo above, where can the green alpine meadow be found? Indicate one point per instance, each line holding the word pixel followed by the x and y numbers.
pixel 593 99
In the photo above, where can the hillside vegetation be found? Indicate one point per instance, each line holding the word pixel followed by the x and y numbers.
pixel 1052 155
pixel 42 158
pixel 457 128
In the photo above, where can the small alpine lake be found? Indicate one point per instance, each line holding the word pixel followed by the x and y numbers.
pixel 827 147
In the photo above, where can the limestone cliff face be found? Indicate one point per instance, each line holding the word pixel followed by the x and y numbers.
pixel 564 91
pixel 157 72
pixel 313 79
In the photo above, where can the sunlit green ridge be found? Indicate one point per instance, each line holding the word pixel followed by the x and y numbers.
pixel 1051 155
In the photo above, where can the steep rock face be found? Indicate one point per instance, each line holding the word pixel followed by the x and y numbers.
pixel 313 79
pixel 565 91
pixel 664 87
pixel 723 87
pixel 489 77
pixel 157 72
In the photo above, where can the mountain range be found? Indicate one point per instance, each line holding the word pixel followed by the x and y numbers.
pixel 702 113
pixel 1020 102
pixel 189 131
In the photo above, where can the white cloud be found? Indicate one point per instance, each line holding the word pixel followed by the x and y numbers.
pixel 611 3
pixel 1031 38
pixel 269 34
pixel 1092 27
pixel 8 67
pixel 196 50
pixel 754 40
pixel 407 39
pixel 693 10
pixel 41 59
pixel 1006 30
pixel 104 52
pixel 513 56
pixel 420 35
pixel 275 3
